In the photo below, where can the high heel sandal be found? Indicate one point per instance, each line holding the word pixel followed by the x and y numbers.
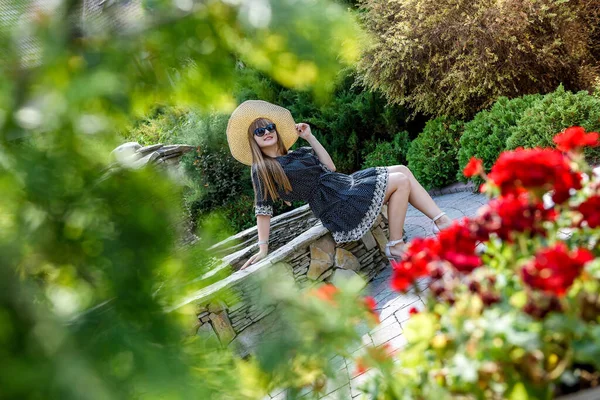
pixel 388 252
pixel 435 229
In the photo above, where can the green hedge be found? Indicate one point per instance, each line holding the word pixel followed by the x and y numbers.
pixel 485 136
pixel 552 114
pixel 432 157
pixel 389 153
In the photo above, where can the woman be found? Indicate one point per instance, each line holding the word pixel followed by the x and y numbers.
pixel 259 134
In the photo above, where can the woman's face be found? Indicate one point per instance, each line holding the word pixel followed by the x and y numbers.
pixel 268 139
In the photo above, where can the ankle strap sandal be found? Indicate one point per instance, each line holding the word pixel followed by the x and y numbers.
pixel 388 253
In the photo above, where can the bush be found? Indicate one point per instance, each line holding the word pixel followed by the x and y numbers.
pixel 485 136
pixel 552 114
pixel 350 122
pixel 432 156
pixel 389 153
pixel 448 57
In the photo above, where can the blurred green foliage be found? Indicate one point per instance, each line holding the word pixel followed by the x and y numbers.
pixel 88 261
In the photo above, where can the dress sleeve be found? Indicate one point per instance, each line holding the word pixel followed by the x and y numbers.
pixel 311 151
pixel 262 206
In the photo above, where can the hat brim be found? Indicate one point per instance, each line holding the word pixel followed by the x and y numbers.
pixel 245 114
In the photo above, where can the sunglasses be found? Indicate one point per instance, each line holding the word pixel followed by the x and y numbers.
pixel 260 132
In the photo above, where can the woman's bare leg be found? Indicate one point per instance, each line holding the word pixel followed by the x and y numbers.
pixel 419 198
pixel 396 197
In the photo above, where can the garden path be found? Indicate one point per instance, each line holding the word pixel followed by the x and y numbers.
pixel 393 306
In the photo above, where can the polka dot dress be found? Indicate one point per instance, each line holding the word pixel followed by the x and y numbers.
pixel 347 205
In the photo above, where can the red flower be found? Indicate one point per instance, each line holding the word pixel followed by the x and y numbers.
pixel 591 211
pixel 413 311
pixel 512 214
pixel 535 170
pixel 326 292
pixel 457 245
pixel 414 264
pixel 361 366
pixel 473 167
pixel 575 138
pixel 554 269
pixel 375 355
pixel 371 305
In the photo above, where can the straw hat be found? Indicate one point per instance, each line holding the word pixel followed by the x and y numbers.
pixel 245 114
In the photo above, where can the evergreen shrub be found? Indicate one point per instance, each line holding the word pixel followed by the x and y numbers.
pixel 432 157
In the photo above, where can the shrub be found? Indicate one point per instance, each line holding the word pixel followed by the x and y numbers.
pixel 485 136
pixel 389 153
pixel 350 121
pixel 432 156
pixel 449 57
pixel 553 113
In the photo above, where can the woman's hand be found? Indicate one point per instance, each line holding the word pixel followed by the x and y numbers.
pixel 255 258
pixel 303 130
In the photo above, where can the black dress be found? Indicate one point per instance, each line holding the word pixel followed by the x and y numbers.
pixel 347 205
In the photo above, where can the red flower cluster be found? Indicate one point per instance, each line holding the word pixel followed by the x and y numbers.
pixel 554 269
pixel 535 169
pixel 590 209
pixel 325 292
pixel 414 263
pixel 473 167
pixel 575 138
pixel 455 245
pixel 512 214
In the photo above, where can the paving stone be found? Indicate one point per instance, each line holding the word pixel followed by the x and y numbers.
pixel 386 333
pixel 402 315
pixel 343 393
pixel 358 381
pixel 333 384
pixel 396 344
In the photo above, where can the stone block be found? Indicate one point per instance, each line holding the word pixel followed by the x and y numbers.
pixel 381 239
pixel 368 240
pixel 384 213
pixel 325 243
pixel 378 220
pixel 222 327
pixel 346 260
pixel 320 260
pixel 207 332
pixel 326 274
pixel 217 307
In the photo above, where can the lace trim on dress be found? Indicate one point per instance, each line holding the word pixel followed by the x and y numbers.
pixel 372 213
pixel 264 210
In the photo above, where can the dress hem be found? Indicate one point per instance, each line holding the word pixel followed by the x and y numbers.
pixel 371 215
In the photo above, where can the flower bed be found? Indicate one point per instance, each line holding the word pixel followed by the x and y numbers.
pixel 514 306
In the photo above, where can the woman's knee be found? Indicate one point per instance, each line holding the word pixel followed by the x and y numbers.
pixel 403 169
pixel 400 181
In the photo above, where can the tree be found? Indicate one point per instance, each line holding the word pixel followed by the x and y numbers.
pixel 456 57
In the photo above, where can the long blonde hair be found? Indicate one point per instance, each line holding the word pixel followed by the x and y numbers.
pixel 270 173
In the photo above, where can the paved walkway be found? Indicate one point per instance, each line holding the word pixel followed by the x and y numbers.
pixel 393 306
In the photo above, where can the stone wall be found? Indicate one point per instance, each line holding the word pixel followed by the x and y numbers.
pixel 300 246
